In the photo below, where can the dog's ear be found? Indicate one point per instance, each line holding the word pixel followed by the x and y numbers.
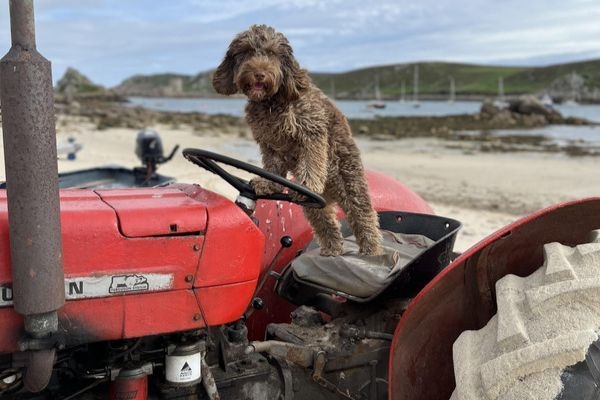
pixel 223 78
pixel 295 79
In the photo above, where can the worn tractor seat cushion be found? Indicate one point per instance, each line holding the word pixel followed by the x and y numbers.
pixel 359 275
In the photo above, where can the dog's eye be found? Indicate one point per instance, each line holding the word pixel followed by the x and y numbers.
pixel 238 57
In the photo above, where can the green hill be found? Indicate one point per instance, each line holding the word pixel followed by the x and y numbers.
pixel 574 80
pixel 74 82
pixel 433 80
pixel 166 85
pixel 579 81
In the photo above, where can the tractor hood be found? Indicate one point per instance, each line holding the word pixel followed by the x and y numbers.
pixel 147 212
pixel 144 261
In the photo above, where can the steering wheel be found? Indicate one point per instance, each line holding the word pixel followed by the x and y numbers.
pixel 208 160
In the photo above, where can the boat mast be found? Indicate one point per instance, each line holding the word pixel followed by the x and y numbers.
pixel 501 89
pixel 416 85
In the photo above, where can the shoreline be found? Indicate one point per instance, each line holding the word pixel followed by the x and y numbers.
pixel 478 128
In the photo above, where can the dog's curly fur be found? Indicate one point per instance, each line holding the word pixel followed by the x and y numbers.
pixel 300 131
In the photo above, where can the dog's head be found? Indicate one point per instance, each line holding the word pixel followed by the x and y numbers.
pixel 260 63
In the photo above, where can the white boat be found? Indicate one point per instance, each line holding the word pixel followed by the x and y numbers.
pixel 570 103
pixel 402 93
pixel 377 102
pixel 416 87
pixel 546 100
pixel 452 91
pixel 500 102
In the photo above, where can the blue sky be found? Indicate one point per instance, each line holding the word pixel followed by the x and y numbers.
pixel 111 40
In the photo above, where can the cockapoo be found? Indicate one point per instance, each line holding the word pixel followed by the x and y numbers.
pixel 300 131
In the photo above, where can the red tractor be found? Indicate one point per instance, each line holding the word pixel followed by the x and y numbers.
pixel 175 292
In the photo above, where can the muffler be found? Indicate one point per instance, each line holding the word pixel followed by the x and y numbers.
pixel 27 100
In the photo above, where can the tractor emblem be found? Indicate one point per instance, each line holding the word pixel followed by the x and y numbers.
pixel 128 283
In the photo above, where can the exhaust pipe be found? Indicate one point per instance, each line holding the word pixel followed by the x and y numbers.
pixel 27 101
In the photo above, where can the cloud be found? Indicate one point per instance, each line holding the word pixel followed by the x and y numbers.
pixel 110 40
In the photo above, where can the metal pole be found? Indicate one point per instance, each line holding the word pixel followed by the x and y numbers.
pixel 29 136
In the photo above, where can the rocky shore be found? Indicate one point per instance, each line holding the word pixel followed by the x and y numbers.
pixel 110 114
pixel 522 113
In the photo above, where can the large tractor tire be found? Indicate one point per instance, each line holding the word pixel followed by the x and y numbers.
pixel 544 326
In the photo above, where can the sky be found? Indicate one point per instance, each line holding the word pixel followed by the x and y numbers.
pixel 111 40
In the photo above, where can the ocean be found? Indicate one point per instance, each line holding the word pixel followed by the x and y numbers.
pixel 358 109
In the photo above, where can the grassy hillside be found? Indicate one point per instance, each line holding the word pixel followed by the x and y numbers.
pixel 433 79
pixel 581 79
pixel 578 80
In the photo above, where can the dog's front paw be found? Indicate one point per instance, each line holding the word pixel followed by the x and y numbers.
pixel 332 249
pixel 297 197
pixel 330 252
pixel 264 187
pixel 372 250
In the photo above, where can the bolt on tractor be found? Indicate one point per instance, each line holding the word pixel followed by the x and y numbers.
pixel 176 292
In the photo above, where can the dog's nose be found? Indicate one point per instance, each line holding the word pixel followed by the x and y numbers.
pixel 259 76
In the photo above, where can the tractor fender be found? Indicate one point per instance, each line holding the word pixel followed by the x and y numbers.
pixel 388 194
pixel 462 297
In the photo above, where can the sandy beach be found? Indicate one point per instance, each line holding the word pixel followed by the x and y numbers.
pixel 484 191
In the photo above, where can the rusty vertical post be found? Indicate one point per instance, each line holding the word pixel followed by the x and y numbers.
pixel 29 136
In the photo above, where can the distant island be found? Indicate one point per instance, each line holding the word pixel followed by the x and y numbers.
pixel 579 81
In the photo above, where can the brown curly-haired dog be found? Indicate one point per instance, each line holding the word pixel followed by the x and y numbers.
pixel 300 131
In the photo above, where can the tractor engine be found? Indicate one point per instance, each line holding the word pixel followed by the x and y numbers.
pixel 309 358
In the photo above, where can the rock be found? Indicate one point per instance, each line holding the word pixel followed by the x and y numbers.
pixel 571 86
pixel 530 105
pixel 73 83
pixel 488 109
pixel 74 107
pixel 534 120
pixel 503 118
pixel 576 121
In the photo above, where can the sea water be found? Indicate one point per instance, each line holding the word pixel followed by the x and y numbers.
pixel 359 109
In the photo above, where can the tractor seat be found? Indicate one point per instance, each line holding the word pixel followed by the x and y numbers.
pixel 358 275
pixel 416 248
